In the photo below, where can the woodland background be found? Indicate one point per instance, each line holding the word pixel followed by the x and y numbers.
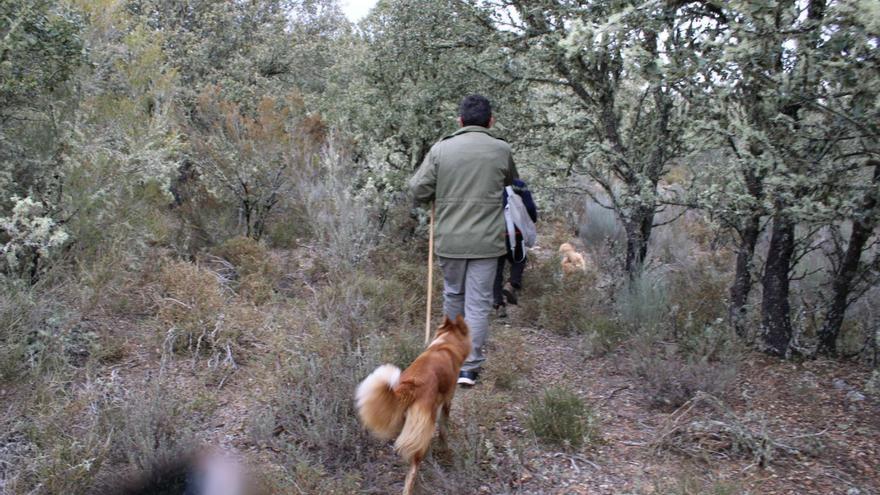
pixel 200 197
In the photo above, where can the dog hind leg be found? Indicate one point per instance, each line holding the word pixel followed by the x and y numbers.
pixel 414 440
pixel 444 424
pixel 410 483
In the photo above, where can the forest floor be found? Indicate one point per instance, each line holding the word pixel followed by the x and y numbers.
pixel 804 400
pixel 818 432
pixel 786 427
pixel 813 400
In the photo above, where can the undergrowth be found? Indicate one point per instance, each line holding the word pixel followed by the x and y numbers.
pixel 561 418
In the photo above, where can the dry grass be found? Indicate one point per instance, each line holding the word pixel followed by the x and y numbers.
pixel 689 484
pixel 482 457
pixel 68 441
pixel 190 308
pixel 198 314
pixel 254 276
pixel 704 427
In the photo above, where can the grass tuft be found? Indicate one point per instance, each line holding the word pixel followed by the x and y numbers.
pixel 561 418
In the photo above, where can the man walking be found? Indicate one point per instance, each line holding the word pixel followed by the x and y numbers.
pixel 464 174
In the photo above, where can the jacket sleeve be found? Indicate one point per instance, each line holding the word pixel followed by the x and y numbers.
pixel 511 172
pixel 529 204
pixel 423 185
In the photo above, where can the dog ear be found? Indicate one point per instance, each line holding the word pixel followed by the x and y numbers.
pixel 446 321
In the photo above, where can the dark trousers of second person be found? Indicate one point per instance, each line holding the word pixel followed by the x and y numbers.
pixel 516 274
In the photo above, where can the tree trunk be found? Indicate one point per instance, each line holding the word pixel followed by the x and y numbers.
pixel 634 248
pixel 846 273
pixel 742 280
pixel 638 233
pixel 775 306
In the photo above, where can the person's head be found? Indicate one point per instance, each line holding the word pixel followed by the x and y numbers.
pixel 475 110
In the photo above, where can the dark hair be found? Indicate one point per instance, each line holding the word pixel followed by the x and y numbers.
pixel 475 110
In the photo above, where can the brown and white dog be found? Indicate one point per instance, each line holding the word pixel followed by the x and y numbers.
pixel 572 261
pixel 405 405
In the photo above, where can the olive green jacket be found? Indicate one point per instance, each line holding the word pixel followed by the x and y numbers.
pixel 464 174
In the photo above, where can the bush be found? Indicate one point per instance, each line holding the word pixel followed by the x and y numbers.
pixel 342 222
pixel 644 304
pixel 680 343
pixel 64 439
pixel 360 304
pixel 152 426
pixel 190 308
pixel 314 406
pixel 401 347
pixel 599 227
pixel 563 305
pixel 200 318
pixel 561 418
pixel 40 333
pixel 255 275
pixel 603 335
pixel 312 479
pixel 482 454
pixel 247 255
pixel 672 371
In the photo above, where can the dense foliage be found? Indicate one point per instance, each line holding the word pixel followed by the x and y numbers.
pixel 761 115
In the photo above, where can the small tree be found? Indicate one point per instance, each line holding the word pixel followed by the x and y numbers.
pixel 605 79
pixel 795 105
pixel 248 159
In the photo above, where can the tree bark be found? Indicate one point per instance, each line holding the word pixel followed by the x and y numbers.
pixel 862 230
pixel 638 233
pixel 775 306
pixel 742 280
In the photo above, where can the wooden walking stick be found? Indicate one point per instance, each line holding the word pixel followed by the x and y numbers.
pixel 430 275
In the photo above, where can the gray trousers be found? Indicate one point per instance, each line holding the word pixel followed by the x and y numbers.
pixel 467 291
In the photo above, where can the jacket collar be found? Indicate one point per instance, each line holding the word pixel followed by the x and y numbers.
pixel 473 128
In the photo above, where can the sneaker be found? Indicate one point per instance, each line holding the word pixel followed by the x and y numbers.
pixel 501 311
pixel 467 378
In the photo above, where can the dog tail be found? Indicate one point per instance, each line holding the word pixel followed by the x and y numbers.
pixel 417 432
pixel 379 407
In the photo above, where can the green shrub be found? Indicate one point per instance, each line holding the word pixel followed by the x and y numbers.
pixel 603 335
pixel 679 342
pixel 401 347
pixel 313 405
pixel 561 418
pixel 361 303
pixel 644 304
pixel 41 333
pixel 481 454
pixel 313 479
